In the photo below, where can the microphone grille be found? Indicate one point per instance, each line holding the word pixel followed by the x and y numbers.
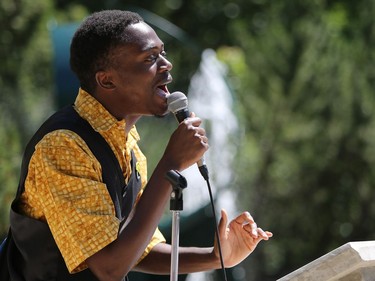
pixel 177 101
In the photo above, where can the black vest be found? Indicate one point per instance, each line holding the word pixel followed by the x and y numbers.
pixel 32 252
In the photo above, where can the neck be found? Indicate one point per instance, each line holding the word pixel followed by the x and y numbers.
pixel 130 122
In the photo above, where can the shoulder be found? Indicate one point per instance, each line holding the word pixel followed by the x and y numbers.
pixel 63 139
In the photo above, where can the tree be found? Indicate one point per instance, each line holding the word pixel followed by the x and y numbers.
pixel 305 97
pixel 25 83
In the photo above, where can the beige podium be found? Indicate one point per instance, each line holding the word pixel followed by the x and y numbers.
pixel 354 261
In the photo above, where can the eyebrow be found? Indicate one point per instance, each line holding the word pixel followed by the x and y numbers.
pixel 151 47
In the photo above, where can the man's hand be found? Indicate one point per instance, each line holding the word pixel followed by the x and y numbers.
pixel 239 239
pixel 187 144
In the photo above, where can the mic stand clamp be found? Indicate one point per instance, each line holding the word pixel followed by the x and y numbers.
pixel 178 182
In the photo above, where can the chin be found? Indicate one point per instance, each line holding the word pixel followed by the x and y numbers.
pixel 160 115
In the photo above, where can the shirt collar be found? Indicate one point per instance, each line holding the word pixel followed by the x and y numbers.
pixel 97 115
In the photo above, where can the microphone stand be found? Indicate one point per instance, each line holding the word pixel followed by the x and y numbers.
pixel 176 205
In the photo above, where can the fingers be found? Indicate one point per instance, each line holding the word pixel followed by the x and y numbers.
pixel 249 225
pixel 186 145
pixel 193 120
pixel 258 233
pixel 204 140
pixel 192 125
pixel 245 218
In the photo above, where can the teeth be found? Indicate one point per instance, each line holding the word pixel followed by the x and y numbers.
pixel 163 87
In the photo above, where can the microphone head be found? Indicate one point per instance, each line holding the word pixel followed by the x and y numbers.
pixel 177 101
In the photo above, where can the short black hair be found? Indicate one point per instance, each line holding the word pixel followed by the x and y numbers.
pixel 94 40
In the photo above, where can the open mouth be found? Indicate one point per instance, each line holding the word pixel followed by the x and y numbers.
pixel 162 91
pixel 163 88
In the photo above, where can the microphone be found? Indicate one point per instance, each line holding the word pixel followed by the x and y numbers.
pixel 178 105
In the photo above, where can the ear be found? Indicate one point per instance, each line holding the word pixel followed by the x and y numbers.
pixel 104 80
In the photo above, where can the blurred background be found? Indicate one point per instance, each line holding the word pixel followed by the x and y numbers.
pixel 299 83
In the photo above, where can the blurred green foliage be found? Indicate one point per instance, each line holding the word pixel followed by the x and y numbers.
pixel 303 78
pixel 25 85
pixel 305 95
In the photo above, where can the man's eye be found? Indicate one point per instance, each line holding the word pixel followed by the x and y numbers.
pixel 152 58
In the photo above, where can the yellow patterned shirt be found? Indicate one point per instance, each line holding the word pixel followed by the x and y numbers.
pixel 64 185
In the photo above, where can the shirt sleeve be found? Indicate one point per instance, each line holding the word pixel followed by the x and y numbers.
pixel 64 187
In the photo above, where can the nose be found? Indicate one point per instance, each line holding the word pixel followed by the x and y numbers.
pixel 164 64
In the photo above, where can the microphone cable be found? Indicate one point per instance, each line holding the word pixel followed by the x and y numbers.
pixel 178 105
pixel 204 172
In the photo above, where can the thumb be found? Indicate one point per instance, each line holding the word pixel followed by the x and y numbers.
pixel 223 223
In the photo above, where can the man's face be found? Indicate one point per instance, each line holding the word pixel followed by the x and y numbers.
pixel 140 73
